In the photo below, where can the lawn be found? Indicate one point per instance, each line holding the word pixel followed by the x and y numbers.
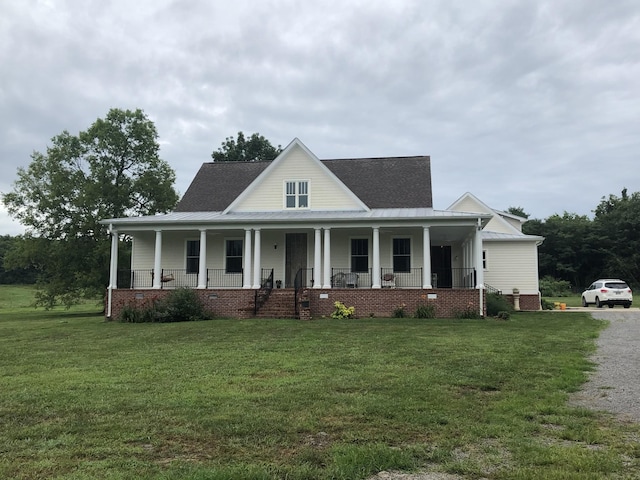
pixel 82 398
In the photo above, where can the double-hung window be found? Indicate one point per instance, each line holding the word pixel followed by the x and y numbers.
pixel 401 255
pixel 233 256
pixel 359 255
pixel 296 194
pixel 193 256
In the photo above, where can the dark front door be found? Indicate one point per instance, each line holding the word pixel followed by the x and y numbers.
pixel 441 265
pixel 295 256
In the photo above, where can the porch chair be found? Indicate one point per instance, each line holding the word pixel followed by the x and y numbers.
pixel 388 280
pixel 351 280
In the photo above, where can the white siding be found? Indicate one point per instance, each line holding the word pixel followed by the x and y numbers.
pixel 324 192
pixel 512 265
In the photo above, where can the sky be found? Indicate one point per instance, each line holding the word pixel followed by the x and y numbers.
pixel 524 104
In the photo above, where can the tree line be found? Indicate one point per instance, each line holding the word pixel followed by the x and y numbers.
pixel 113 169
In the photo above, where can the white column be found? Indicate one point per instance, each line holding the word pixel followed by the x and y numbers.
pixel 326 276
pixel 113 266
pixel 257 267
pixel 317 267
pixel 246 275
pixel 375 281
pixel 426 259
pixel 113 269
pixel 478 257
pixel 157 261
pixel 202 265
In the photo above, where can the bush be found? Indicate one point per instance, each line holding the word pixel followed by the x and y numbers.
pixel 425 311
pixel 546 304
pixel 503 315
pixel 399 312
pixel 469 313
pixel 497 303
pixel 552 287
pixel 341 311
pixel 180 305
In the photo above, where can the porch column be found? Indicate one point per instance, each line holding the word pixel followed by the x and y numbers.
pixel 478 256
pixel 317 267
pixel 326 276
pixel 257 268
pixel 202 265
pixel 113 269
pixel 426 259
pixel 113 266
pixel 375 281
pixel 246 270
pixel 157 261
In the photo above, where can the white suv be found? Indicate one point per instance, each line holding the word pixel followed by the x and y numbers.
pixel 608 291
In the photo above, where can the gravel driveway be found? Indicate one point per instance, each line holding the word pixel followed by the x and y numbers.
pixel 615 384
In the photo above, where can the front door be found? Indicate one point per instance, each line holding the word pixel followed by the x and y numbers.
pixel 295 256
pixel 441 265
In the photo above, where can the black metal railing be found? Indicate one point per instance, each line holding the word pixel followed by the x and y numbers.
pixel 178 278
pixel 262 294
pixel 412 278
pixel 345 278
pixel 463 277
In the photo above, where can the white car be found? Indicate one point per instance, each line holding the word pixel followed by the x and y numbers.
pixel 608 291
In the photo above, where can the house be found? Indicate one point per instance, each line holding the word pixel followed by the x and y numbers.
pixel 292 236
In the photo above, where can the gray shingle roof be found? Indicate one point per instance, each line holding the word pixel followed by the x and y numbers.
pixel 393 182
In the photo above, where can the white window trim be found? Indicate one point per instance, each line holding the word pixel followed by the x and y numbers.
pixel 411 257
pixel 485 260
pixel 296 195
pixel 186 255
pixel 224 255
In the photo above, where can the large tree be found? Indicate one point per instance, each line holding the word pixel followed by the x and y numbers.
pixel 253 149
pixel 112 169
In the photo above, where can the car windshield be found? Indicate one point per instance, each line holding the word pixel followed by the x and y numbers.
pixel 617 285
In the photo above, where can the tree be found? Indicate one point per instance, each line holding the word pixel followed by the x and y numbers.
pixel 517 211
pixel 617 223
pixel 254 149
pixel 10 274
pixel 112 169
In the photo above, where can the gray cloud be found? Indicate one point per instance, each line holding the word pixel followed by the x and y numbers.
pixel 520 103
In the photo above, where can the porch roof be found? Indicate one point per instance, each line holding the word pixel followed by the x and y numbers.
pixel 295 217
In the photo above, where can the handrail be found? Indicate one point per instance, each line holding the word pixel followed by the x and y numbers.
pixel 262 294
pixel 299 283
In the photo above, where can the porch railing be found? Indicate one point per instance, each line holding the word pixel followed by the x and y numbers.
pixel 304 278
pixel 178 278
pixel 412 278
pixel 263 293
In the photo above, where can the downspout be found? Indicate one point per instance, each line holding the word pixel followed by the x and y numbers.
pixel 480 284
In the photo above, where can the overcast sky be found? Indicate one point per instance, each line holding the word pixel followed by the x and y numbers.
pixel 525 103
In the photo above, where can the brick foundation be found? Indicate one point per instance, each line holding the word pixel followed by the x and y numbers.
pixel 238 303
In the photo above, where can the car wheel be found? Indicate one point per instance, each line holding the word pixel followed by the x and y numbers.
pixel 611 305
pixel 627 305
pixel 584 302
pixel 598 304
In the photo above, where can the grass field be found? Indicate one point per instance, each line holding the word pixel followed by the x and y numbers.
pixel 81 398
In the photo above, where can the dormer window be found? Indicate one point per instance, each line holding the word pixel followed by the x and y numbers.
pixel 296 194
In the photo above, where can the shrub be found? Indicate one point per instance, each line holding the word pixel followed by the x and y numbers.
pixel 341 311
pixel 546 304
pixel 469 313
pixel 497 303
pixel 180 305
pixel 425 311
pixel 552 287
pixel 503 315
pixel 399 312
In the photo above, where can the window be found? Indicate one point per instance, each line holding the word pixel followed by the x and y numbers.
pixel 233 256
pixel 401 255
pixel 193 256
pixel 359 255
pixel 297 194
pixel 484 259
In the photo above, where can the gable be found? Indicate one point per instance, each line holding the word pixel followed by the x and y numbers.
pixel 296 163
pixel 470 203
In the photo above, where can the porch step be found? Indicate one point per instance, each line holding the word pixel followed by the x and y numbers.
pixel 280 304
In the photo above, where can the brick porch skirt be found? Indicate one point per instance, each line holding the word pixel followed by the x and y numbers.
pixel 318 303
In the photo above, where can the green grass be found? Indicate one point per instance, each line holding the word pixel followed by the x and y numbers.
pixel 81 398
pixel 571 301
